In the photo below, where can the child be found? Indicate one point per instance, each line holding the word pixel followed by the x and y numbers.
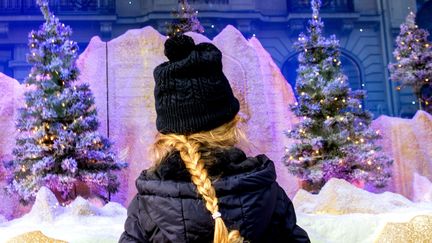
pixel 200 183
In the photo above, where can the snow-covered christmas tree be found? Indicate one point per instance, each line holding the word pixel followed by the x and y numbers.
pixel 333 137
pixel 413 67
pixel 185 19
pixel 58 144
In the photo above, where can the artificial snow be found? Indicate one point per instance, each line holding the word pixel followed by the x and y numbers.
pixel 79 221
pixel 340 197
pixel 342 212
pixel 45 207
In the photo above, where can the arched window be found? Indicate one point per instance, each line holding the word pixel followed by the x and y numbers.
pixel 349 66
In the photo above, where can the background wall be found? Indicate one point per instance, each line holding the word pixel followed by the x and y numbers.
pixel 365 28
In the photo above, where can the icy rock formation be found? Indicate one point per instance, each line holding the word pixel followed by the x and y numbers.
pixel 340 197
pixel 120 73
pixel 46 207
pixel 11 93
pixel 422 189
pixel 409 143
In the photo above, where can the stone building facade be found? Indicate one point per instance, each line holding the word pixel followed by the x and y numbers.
pixel 366 30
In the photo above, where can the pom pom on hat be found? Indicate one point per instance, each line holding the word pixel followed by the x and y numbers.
pixel 178 47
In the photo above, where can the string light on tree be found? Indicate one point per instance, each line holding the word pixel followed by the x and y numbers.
pixel 185 19
pixel 324 102
pixel 413 55
pixel 39 157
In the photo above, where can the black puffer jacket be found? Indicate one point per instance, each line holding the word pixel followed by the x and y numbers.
pixel 168 208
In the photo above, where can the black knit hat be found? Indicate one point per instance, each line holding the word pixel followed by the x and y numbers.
pixel 191 93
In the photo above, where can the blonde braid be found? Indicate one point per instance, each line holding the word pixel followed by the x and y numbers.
pixel 191 156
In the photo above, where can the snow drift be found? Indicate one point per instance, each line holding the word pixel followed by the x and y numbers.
pixel 70 223
pixel 342 212
pixel 339 213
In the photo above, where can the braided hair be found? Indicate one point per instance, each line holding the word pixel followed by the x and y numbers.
pixel 194 151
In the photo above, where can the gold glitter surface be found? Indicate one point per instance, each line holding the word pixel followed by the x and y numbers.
pixel 34 237
pixel 418 230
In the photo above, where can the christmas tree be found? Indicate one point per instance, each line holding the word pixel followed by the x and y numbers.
pixel 333 137
pixel 185 20
pixel 413 67
pixel 58 144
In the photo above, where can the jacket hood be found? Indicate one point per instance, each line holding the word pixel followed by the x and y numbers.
pixel 234 171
